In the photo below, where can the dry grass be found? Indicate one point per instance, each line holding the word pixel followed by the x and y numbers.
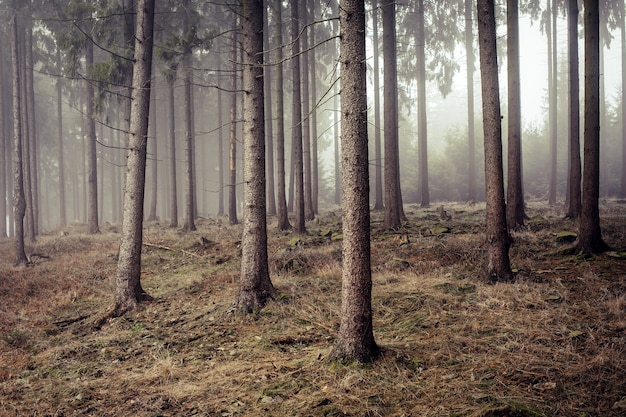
pixel 552 343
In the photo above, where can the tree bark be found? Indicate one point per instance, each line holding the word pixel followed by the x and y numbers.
pixel 515 190
pixel 471 131
pixel 623 41
pixel 296 128
pixel 498 264
pixel 220 142
pixel 574 204
pixel 128 292
pixel 589 233
pixel 255 286
pixel 60 138
pixel 378 158
pixel 281 198
pixel 190 195
pixel 313 118
pixel 152 213
pixel 306 126
pixel 92 157
pixel 19 201
pixel 392 175
pixel 269 117
pixel 355 340
pixel 232 185
pixel 552 94
pixel 422 121
pixel 33 175
pixel 171 79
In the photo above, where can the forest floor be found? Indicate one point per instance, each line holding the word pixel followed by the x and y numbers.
pixel 553 343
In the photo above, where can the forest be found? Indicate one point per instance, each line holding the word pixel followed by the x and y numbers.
pixel 357 208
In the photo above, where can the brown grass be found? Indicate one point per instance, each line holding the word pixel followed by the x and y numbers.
pixel 552 343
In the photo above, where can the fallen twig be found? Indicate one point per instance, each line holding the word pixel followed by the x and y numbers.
pixel 153 245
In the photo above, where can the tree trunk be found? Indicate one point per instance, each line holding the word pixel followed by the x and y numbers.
pixel 296 121
pixel 33 210
pixel 220 142
pixel 232 187
pixel 355 340
pixel 378 159
pixel 623 39
pixel 190 195
pixel 313 118
pixel 255 286
pixel 269 115
pixel 422 127
pixel 19 201
pixel 171 79
pixel 574 204
pixel 152 123
pixel 29 228
pixel 128 292
pixel 498 265
pixel 92 158
pixel 61 139
pixel 471 131
pixel 306 128
pixel 281 198
pixel 589 233
pixel 392 175
pixel 515 190
pixel 4 150
pixel 552 94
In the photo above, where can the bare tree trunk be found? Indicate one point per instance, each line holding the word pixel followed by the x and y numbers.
pixel 19 201
pixel 255 286
pixel 306 128
pixel 552 93
pixel 29 227
pixel 378 159
pixel 189 138
pixel 392 175
pixel 498 266
pixel 232 190
pixel 61 150
pixel 589 233
pixel 220 142
pixel 355 340
pixel 171 79
pixel 574 177
pixel 623 42
pixel 152 135
pixel 281 203
pixel 313 117
pixel 422 121
pixel 4 150
pixel 92 158
pixel 471 134
pixel 296 129
pixel 269 115
pixel 515 192
pixel 33 212
pixel 128 292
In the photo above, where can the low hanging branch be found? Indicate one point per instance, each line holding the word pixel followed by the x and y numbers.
pixel 153 245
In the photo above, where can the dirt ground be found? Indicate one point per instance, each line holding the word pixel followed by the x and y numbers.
pixel 550 344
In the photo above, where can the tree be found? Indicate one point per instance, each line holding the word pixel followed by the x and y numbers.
pixel 232 184
pixel 170 79
pixel 515 191
pixel 309 212
pixel 552 94
pixel 296 122
pixel 355 340
pixel 269 120
pixel 61 149
pixel 255 286
pixel 498 266
pixel 378 160
pixel 574 177
pixel 471 134
pixel 19 201
pixel 623 39
pixel 128 290
pixel 422 124
pixel 393 197
pixel 281 198
pixel 589 232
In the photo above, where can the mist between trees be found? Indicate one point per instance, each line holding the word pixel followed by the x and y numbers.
pixel 197 45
